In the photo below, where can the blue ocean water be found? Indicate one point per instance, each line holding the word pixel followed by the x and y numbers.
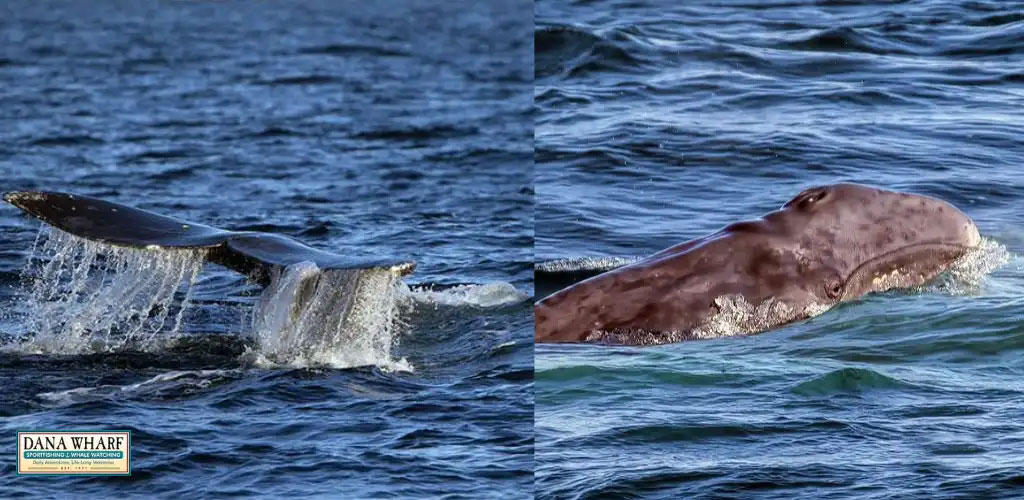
pixel 660 121
pixel 382 130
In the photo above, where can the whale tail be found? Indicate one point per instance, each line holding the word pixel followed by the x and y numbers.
pixel 258 255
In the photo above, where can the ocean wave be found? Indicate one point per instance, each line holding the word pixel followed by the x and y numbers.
pixel 485 295
pixel 849 380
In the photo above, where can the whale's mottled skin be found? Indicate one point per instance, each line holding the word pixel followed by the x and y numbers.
pixel 827 245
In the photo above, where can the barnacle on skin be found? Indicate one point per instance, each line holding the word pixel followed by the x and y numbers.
pixel 735 317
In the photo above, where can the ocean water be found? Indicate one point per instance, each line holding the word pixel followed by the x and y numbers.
pixel 660 121
pixel 386 130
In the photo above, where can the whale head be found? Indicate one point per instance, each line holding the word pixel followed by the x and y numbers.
pixel 873 240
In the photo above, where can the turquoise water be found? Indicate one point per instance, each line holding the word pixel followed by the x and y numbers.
pixel 903 396
pixel 659 122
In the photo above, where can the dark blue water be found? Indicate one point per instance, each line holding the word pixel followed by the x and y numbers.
pixel 662 121
pixel 385 130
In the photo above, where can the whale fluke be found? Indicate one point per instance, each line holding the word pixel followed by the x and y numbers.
pixel 252 253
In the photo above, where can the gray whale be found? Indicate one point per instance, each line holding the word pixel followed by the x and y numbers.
pixel 828 245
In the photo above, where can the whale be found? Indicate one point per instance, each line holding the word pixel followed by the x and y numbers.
pixel 828 245
pixel 313 303
pixel 258 255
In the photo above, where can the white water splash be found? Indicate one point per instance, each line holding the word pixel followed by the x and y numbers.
pixel 967 274
pixel 736 316
pixel 86 296
pixel 339 318
pixel 486 295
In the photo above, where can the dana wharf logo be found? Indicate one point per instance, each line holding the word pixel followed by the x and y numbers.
pixel 75 453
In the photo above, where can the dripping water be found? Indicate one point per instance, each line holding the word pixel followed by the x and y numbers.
pixel 338 317
pixel 88 297
pixel 85 296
